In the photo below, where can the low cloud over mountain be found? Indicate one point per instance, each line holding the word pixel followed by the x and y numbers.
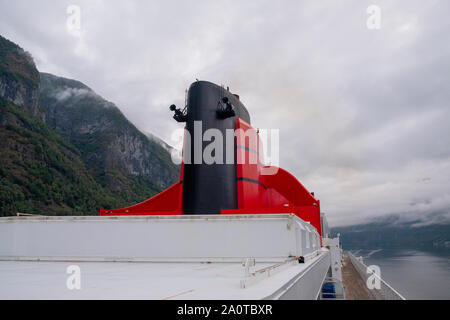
pixel 363 114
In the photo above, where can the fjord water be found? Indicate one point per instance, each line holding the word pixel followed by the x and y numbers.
pixel 415 274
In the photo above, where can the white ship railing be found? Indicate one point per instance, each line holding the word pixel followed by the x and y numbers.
pixel 386 291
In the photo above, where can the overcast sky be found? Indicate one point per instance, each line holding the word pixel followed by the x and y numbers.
pixel 363 114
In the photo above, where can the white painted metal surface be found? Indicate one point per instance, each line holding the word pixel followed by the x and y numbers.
pixel 157 238
pixel 307 284
pixel 156 257
pixel 336 258
pixel 148 280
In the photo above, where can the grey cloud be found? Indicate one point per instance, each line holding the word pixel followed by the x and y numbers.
pixel 67 93
pixel 363 115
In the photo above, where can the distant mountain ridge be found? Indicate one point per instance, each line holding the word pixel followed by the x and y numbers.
pixel 65 150
pixel 392 232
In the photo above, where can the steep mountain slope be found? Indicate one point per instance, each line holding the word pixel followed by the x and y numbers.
pixel 42 173
pixel 19 78
pixel 113 147
pixel 93 158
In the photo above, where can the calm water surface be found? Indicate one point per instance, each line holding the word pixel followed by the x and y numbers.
pixel 415 274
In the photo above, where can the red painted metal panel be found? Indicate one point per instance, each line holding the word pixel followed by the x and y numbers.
pixel 167 202
pixel 286 184
pixel 257 193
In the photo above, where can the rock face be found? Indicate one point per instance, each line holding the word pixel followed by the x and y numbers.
pixel 19 78
pixel 64 150
pixel 107 140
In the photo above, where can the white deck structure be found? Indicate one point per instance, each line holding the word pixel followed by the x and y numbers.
pixel 162 257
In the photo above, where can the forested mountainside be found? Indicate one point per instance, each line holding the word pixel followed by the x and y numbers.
pixel 64 150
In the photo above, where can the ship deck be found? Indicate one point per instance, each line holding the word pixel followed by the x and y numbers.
pixel 143 280
pixel 162 257
pixel 354 286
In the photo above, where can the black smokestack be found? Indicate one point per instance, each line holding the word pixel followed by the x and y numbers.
pixel 209 188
